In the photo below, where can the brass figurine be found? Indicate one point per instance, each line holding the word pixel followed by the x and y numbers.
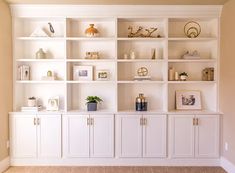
pixel 134 34
pixel 139 32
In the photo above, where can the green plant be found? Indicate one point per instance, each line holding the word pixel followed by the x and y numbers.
pixel 93 99
pixel 183 74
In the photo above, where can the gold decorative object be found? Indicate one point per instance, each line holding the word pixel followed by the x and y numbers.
pixel 142 71
pixel 40 54
pixel 192 29
pixel 92 55
pixel 140 33
pixel 49 73
pixel 91 31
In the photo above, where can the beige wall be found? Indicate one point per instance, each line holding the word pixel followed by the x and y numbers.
pixel 5 75
pixel 227 85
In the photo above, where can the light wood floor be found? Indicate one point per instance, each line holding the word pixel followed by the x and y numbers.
pixel 115 170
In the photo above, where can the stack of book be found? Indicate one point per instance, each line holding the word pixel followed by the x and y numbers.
pixel 140 78
pixel 24 72
pixel 30 109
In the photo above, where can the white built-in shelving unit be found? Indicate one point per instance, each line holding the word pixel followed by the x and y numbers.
pixel 69 45
pixel 116 134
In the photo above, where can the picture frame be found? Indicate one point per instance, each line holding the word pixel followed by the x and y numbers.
pixel 84 73
pixel 102 75
pixel 53 104
pixel 188 100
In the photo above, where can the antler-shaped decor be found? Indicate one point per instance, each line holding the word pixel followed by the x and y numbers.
pixel 134 34
pixel 150 31
pixel 140 33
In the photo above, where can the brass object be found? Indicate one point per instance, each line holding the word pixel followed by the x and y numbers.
pixel 192 29
pixel 49 73
pixel 145 121
pixel 140 33
pixel 197 121
pixel 92 121
pixel 92 55
pixel 142 71
pixel 194 121
pixel 87 121
pixel 91 31
pixel 40 54
pixel 141 121
pixel 38 121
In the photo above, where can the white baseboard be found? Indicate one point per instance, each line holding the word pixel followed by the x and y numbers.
pixel 114 162
pixel 227 165
pixel 4 164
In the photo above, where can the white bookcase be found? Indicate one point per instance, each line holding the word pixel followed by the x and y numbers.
pixel 68 47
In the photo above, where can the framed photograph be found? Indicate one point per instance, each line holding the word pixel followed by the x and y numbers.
pixel 53 104
pixel 82 72
pixel 188 100
pixel 102 75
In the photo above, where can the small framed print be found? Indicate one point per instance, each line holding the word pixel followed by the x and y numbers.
pixel 82 72
pixel 188 100
pixel 53 104
pixel 102 75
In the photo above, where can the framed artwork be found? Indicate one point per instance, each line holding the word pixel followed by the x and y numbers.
pixel 53 104
pixel 102 75
pixel 82 72
pixel 188 100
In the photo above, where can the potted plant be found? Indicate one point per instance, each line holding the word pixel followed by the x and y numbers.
pixel 92 102
pixel 183 76
pixel 32 102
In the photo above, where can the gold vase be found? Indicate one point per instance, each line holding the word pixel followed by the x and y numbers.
pixel 91 31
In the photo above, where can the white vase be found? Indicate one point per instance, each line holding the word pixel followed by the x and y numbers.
pixel 32 102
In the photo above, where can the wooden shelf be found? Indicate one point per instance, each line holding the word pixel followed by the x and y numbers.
pixel 91 60
pixel 141 60
pixel 39 82
pixel 140 39
pixel 141 82
pixel 41 38
pixel 192 39
pixel 192 82
pixel 41 60
pixel 191 60
pixel 90 38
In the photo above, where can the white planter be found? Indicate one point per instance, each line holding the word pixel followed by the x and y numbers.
pixel 183 78
pixel 32 102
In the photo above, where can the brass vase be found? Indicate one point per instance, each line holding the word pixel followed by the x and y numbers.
pixel 91 31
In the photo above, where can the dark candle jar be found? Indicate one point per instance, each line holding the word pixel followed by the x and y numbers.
pixel 141 103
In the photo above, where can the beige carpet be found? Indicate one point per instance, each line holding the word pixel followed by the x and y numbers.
pixel 115 170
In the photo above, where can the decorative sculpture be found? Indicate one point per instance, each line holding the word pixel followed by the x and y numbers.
pixel 139 32
pixel 192 29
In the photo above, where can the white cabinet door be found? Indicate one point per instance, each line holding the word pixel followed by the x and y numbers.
pixel 130 135
pixel 154 136
pixel 49 136
pixel 23 136
pixel 102 135
pixel 182 136
pixel 207 136
pixel 77 135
